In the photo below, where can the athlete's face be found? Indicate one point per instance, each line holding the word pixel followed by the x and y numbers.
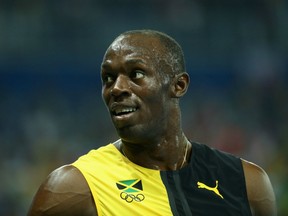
pixel 134 89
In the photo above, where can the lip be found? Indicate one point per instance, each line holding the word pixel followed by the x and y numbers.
pixel 124 119
pixel 121 111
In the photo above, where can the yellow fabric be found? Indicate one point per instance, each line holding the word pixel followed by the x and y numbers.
pixel 115 183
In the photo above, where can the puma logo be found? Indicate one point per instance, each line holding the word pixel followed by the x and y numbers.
pixel 214 189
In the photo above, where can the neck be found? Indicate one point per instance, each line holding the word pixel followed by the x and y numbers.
pixel 170 153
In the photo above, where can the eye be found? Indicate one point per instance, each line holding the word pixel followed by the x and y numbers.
pixel 137 74
pixel 108 79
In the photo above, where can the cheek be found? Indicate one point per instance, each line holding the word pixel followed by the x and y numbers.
pixel 155 101
pixel 156 87
pixel 159 93
pixel 105 95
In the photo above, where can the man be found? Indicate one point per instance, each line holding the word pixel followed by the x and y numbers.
pixel 153 169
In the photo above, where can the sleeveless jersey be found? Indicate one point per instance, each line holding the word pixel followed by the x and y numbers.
pixel 212 183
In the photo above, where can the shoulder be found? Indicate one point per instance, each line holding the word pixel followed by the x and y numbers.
pixel 259 190
pixel 64 192
pixel 215 156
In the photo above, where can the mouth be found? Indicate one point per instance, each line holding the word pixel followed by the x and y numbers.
pixel 121 111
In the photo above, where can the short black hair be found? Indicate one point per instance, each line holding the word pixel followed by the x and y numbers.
pixel 174 55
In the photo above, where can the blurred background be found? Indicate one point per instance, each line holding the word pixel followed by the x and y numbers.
pixel 51 110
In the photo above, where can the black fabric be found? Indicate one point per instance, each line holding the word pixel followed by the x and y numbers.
pixel 177 199
pixel 208 166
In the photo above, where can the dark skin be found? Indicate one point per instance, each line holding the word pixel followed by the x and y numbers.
pixel 140 97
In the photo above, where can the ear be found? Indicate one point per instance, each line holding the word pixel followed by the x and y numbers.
pixel 180 85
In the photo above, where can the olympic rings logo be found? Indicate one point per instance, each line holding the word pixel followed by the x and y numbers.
pixel 131 197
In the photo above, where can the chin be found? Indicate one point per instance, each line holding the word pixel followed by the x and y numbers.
pixel 132 134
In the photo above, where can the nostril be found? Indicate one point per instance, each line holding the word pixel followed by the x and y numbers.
pixel 116 92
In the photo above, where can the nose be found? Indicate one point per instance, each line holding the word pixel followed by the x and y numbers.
pixel 121 87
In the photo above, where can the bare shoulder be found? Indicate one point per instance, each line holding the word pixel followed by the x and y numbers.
pixel 64 192
pixel 259 190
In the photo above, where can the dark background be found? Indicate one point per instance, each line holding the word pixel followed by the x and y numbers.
pixel 51 109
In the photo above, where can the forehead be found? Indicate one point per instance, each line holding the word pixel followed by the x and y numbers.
pixel 137 45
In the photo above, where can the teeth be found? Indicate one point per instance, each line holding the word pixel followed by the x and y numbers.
pixel 124 110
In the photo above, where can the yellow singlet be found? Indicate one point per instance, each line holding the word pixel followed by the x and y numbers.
pixel 120 187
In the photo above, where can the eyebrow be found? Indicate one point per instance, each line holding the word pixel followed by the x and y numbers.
pixel 107 63
pixel 135 61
